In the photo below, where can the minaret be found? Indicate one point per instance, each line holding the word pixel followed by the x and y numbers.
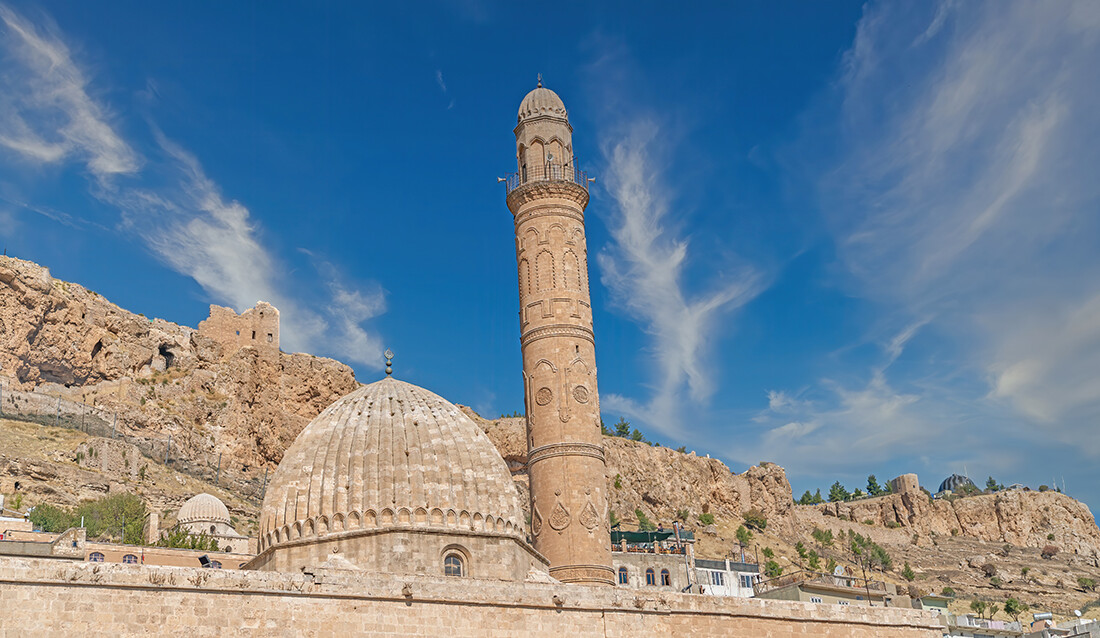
pixel 565 458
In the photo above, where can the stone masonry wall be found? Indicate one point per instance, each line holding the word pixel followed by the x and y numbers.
pixel 258 327
pixel 55 598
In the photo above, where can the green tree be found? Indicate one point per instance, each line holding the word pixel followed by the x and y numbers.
pixel 873 487
pixel 823 537
pixel 907 573
pixel 858 493
pixel 1014 608
pixel 768 553
pixel 813 560
pixel 772 569
pixel 838 493
pixel 744 536
pixel 52 519
pixel 622 428
pixel 683 515
pixel 682 449
pixel 604 430
pixel 1087 584
pixel 991 484
pixel 817 497
pixel 978 607
pixel 636 435
pixel 800 549
pixel 949 592
pixel 706 518
pixel 830 565
pixel 807 499
pixel 644 524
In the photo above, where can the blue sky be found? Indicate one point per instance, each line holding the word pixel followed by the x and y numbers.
pixel 848 238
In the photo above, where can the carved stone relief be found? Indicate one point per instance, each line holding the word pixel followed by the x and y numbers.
pixel 559 518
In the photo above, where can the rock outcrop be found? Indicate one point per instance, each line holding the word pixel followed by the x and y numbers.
pixel 1019 517
pixel 247 403
pixel 661 481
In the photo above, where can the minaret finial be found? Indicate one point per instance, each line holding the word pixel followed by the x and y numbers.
pixel 540 81
pixel 389 361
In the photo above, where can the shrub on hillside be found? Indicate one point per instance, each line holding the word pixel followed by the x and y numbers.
pixel 755 518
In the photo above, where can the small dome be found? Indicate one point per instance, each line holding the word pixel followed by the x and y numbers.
pixel 204 508
pixel 542 101
pixel 390 454
pixel 954 482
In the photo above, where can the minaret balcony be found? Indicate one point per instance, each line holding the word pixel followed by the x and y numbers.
pixel 548 172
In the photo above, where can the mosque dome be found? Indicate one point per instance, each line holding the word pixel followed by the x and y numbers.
pixel 388 457
pixel 203 508
pixel 954 482
pixel 541 101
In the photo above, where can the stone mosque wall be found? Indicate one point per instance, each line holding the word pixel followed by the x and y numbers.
pixel 258 327
pixel 58 598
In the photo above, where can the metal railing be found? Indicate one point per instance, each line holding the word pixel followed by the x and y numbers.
pixel 831 580
pixel 548 172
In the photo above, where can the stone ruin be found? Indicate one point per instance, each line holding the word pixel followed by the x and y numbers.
pixel 257 327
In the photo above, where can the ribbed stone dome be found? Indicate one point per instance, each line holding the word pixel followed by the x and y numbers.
pixel 203 508
pixel 390 454
pixel 954 482
pixel 541 101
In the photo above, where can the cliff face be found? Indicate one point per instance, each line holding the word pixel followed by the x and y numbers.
pixel 1018 517
pixel 661 481
pixel 248 403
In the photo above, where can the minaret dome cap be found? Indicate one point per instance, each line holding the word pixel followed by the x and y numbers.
pixel 542 101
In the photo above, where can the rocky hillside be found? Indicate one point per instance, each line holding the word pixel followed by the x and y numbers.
pixel 662 482
pixel 1018 517
pixel 163 379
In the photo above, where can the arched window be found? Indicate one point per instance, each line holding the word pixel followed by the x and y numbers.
pixel 666 578
pixel 95 557
pixel 227 549
pixel 130 559
pixel 213 529
pixel 453 565
pixel 623 576
pixel 215 564
pixel 650 577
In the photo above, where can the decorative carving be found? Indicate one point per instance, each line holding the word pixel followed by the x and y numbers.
pixel 559 518
pixel 556 330
pixel 580 393
pixel 590 518
pixel 565 449
pixel 544 396
pixel 536 521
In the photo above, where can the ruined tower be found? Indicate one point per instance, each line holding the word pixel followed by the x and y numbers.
pixel 565 461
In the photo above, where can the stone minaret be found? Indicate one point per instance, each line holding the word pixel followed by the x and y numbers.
pixel 565 460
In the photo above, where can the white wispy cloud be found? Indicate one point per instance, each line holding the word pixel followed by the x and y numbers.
pixel 443 87
pixel 963 198
pixel 643 268
pixel 47 115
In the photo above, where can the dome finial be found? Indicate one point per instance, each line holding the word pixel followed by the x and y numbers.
pixel 389 361
pixel 540 81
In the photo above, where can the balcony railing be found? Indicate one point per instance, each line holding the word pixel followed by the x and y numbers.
pixel 549 172
pixel 873 587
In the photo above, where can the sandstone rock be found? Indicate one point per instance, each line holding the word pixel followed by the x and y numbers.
pixel 662 481
pixel 246 403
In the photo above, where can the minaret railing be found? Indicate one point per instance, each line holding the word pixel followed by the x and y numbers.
pixel 548 172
